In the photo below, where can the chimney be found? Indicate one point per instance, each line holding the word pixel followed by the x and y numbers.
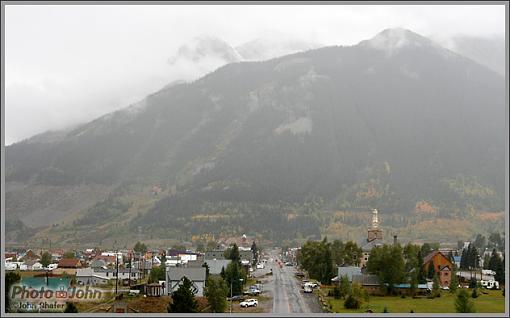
pixel 394 240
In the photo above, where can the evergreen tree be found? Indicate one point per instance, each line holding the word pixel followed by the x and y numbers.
pixel 70 308
pixel 46 259
pixel 473 259
pixel 11 278
pixel 463 259
pixel 183 299
pixel 233 275
pixel 431 272
pixel 486 261
pixel 474 293
pixel 426 249
pixel 435 286
pixel 344 286
pixel 327 265
pixel 454 283
pixel 497 264
pixel 233 254
pixel 206 271
pixel 222 273
pixel 216 292
pixel 462 303
pixel 140 248
pixel 387 263
pixel 255 252
pixel 421 276
pixel 413 282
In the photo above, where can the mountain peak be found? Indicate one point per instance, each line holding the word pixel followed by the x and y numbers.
pixel 394 39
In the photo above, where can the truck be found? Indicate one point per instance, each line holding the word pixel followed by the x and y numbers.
pixel 489 284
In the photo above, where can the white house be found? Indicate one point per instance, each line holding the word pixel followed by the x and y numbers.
pixel 94 276
pixel 175 275
pixel 37 266
pixel 156 261
pixel 186 256
pixel 10 266
pixel 87 276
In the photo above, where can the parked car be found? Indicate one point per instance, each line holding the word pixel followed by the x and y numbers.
pixel 303 283
pixel 249 303
pixel 236 298
pixel 311 284
pixel 260 266
pixel 254 291
pixel 308 289
pixel 288 264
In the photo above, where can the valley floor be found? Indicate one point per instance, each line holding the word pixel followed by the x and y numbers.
pixel 492 302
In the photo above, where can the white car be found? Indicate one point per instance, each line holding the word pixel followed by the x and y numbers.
pixel 249 303
pixel 260 266
pixel 311 285
pixel 308 289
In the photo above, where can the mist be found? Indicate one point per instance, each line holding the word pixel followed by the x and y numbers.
pixel 66 65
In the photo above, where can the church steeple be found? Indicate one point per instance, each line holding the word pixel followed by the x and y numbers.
pixel 374 232
pixel 375 219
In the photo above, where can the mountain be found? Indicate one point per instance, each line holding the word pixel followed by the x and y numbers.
pixel 267 48
pixel 274 148
pixel 488 51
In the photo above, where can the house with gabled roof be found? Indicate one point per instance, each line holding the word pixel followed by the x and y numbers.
pixel 442 265
pixel 175 275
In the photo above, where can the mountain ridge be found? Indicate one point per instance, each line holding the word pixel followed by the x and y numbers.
pixel 349 127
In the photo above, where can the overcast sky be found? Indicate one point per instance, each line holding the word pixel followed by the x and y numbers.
pixel 67 64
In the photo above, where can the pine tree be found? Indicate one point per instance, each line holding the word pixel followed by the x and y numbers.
pixel 431 271
pixel 70 308
pixel 344 286
pixel 462 303
pixel 454 283
pixel 435 286
pixel 183 299
pixel 45 259
pixel 255 252
pixel 216 293
pixel 422 279
pixel 463 259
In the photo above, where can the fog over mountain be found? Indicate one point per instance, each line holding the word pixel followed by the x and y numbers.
pixel 272 147
pixel 488 51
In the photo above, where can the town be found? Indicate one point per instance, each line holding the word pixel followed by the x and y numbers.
pixel 238 275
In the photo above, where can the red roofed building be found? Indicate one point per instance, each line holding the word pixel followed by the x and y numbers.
pixel 108 260
pixel 442 266
pixel 69 263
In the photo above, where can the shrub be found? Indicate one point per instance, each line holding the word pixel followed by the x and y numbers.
pixel 474 294
pixel 336 292
pixel 351 302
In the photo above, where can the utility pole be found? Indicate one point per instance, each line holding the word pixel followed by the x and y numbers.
pixel 116 271
pixel 231 295
pixel 130 265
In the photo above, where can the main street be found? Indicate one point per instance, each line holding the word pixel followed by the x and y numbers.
pixel 288 296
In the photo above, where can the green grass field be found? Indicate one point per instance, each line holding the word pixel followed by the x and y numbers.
pixel 493 302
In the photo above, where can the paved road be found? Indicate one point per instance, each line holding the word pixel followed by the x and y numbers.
pixel 286 290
